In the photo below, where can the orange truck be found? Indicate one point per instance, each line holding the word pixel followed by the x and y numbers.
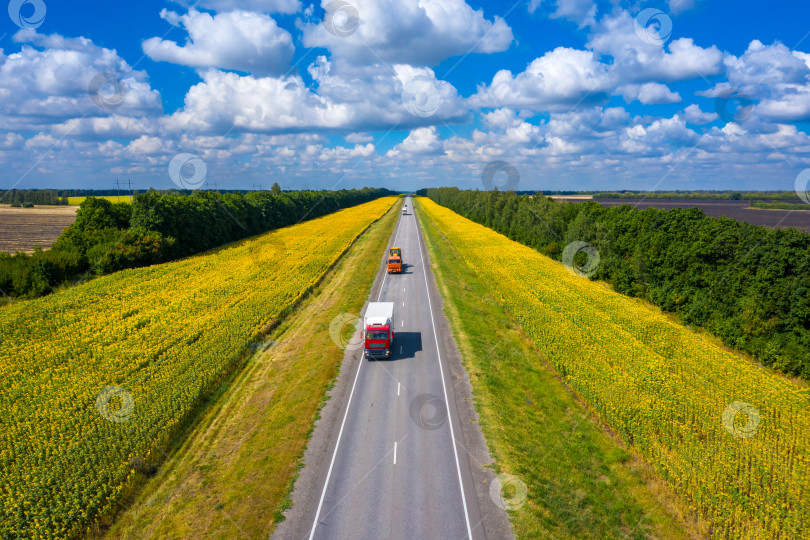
pixel 395 260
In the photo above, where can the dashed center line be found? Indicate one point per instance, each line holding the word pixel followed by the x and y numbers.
pixel 395 452
pixel 398 384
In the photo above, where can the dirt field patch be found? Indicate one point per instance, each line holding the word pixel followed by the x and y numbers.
pixel 23 228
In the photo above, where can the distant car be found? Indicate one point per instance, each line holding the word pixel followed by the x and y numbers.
pixel 405 209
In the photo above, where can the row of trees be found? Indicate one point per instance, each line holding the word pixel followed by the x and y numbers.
pixel 715 195
pixel 159 227
pixel 747 284
pixel 19 197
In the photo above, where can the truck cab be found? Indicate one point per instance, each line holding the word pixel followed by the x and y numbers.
pixel 394 265
pixel 378 330
pixel 395 260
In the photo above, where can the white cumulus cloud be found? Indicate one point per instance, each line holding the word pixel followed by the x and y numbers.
pixel 419 141
pixel 776 76
pixel 635 60
pixel 409 31
pixel 560 79
pixel 649 93
pixel 350 100
pixel 49 82
pixel 238 40
pixel 694 115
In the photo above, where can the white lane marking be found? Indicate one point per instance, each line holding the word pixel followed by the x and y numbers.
pixel 343 423
pixel 446 401
pixel 403 302
pixel 398 384
pixel 395 452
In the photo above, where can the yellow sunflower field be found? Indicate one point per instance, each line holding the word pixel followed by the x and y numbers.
pixel 96 378
pixel 732 438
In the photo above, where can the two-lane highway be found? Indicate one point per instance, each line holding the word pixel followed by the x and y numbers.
pixel 396 463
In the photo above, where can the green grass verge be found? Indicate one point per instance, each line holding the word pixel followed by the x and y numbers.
pixel 234 474
pixel 582 482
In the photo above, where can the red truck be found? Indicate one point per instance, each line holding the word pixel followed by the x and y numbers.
pixel 378 330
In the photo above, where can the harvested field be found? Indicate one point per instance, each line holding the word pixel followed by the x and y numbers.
pixel 780 219
pixel 23 228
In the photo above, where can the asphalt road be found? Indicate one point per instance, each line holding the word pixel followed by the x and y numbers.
pixel 396 459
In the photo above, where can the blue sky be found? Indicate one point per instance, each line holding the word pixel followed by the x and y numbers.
pixel 573 94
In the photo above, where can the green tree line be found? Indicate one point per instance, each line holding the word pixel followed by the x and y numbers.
pixel 749 285
pixel 159 227
pixel 18 197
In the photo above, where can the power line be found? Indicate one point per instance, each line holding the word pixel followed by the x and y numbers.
pixel 118 189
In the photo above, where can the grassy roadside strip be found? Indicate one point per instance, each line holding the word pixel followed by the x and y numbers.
pixel 582 482
pixel 232 476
